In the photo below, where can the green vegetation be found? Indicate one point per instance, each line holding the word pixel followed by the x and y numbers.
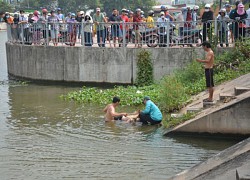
pixel 173 121
pixel 74 5
pixel 173 92
pixel 144 69
pixel 5 7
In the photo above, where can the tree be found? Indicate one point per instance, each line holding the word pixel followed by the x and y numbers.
pixel 145 5
pixel 74 5
pixel 4 7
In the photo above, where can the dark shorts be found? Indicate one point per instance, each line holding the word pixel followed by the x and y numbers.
pixel 118 117
pixel 146 119
pixel 209 73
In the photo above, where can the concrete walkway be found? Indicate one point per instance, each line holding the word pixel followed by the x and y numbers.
pixel 227 116
pixel 226 88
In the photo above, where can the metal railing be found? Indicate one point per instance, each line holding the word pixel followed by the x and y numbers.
pixel 161 34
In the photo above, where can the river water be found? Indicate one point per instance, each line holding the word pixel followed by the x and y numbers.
pixel 44 137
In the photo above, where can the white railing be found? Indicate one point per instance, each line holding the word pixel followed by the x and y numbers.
pixel 162 34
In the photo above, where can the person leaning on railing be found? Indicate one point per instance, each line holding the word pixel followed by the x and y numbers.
pixel 180 21
pixel 53 20
pixel 24 27
pixel 137 20
pixel 150 20
pixel 15 29
pixel 222 21
pixel 45 28
pixel 130 28
pixel 88 30
pixel 36 28
pixel 115 21
pixel 99 20
pixel 72 29
pixel 206 19
pixel 239 15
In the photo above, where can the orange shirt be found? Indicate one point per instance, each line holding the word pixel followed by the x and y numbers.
pixel 10 20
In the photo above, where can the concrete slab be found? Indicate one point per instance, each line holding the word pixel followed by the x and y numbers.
pixel 192 109
pixel 240 90
pixel 223 96
pixel 243 172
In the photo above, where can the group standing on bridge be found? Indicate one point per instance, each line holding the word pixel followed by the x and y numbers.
pixel 42 28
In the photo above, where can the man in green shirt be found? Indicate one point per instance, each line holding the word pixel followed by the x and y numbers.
pixel 99 20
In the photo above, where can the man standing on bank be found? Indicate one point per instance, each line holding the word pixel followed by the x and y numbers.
pixel 208 64
pixel 151 114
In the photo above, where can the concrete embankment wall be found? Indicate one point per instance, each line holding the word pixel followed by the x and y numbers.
pixel 231 118
pixel 80 64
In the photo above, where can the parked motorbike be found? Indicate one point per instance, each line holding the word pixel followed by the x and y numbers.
pixel 163 35
pixel 148 36
pixel 189 37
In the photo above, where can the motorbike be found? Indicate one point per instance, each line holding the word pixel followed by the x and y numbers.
pixel 148 36
pixel 188 38
pixel 163 35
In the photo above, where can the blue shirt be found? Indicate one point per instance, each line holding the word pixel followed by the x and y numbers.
pixel 153 111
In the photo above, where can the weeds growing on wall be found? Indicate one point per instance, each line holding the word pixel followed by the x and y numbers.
pixel 144 74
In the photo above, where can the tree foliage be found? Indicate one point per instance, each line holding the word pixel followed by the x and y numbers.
pixel 74 5
pixel 4 7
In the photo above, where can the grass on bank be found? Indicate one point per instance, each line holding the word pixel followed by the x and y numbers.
pixel 173 92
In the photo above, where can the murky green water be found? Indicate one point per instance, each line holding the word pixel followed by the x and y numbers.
pixel 43 137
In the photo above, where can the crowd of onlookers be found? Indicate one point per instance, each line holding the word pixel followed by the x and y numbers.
pixel 56 27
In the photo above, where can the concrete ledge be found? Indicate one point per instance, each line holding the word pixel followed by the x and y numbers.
pixel 222 166
pixel 223 96
pixel 243 173
pixel 193 109
pixel 240 90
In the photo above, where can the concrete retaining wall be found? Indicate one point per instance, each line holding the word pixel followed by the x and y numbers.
pixel 79 64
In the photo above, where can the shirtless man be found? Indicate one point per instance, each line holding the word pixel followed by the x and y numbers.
pixel 209 62
pixel 111 115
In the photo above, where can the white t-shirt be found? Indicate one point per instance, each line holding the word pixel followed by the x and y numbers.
pixel 162 25
pixel 24 18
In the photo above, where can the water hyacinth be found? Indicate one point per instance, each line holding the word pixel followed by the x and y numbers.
pixel 129 95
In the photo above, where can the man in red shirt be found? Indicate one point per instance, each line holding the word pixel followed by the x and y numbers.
pixel 124 19
pixel 137 20
pixel 188 20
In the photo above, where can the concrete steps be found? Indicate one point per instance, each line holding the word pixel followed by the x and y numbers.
pixel 223 97
pixel 240 90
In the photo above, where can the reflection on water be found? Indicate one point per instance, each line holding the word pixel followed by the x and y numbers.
pixel 43 137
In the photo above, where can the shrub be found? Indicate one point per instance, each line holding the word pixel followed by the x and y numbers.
pixel 172 94
pixel 144 74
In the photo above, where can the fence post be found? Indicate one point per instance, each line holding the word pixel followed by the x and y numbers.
pixel 47 33
pixel 216 27
pixel 123 34
pixel 22 31
pixel 168 33
pixel 9 32
pixel 82 34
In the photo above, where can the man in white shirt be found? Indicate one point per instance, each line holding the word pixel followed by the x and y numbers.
pixel 24 27
pixel 162 23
